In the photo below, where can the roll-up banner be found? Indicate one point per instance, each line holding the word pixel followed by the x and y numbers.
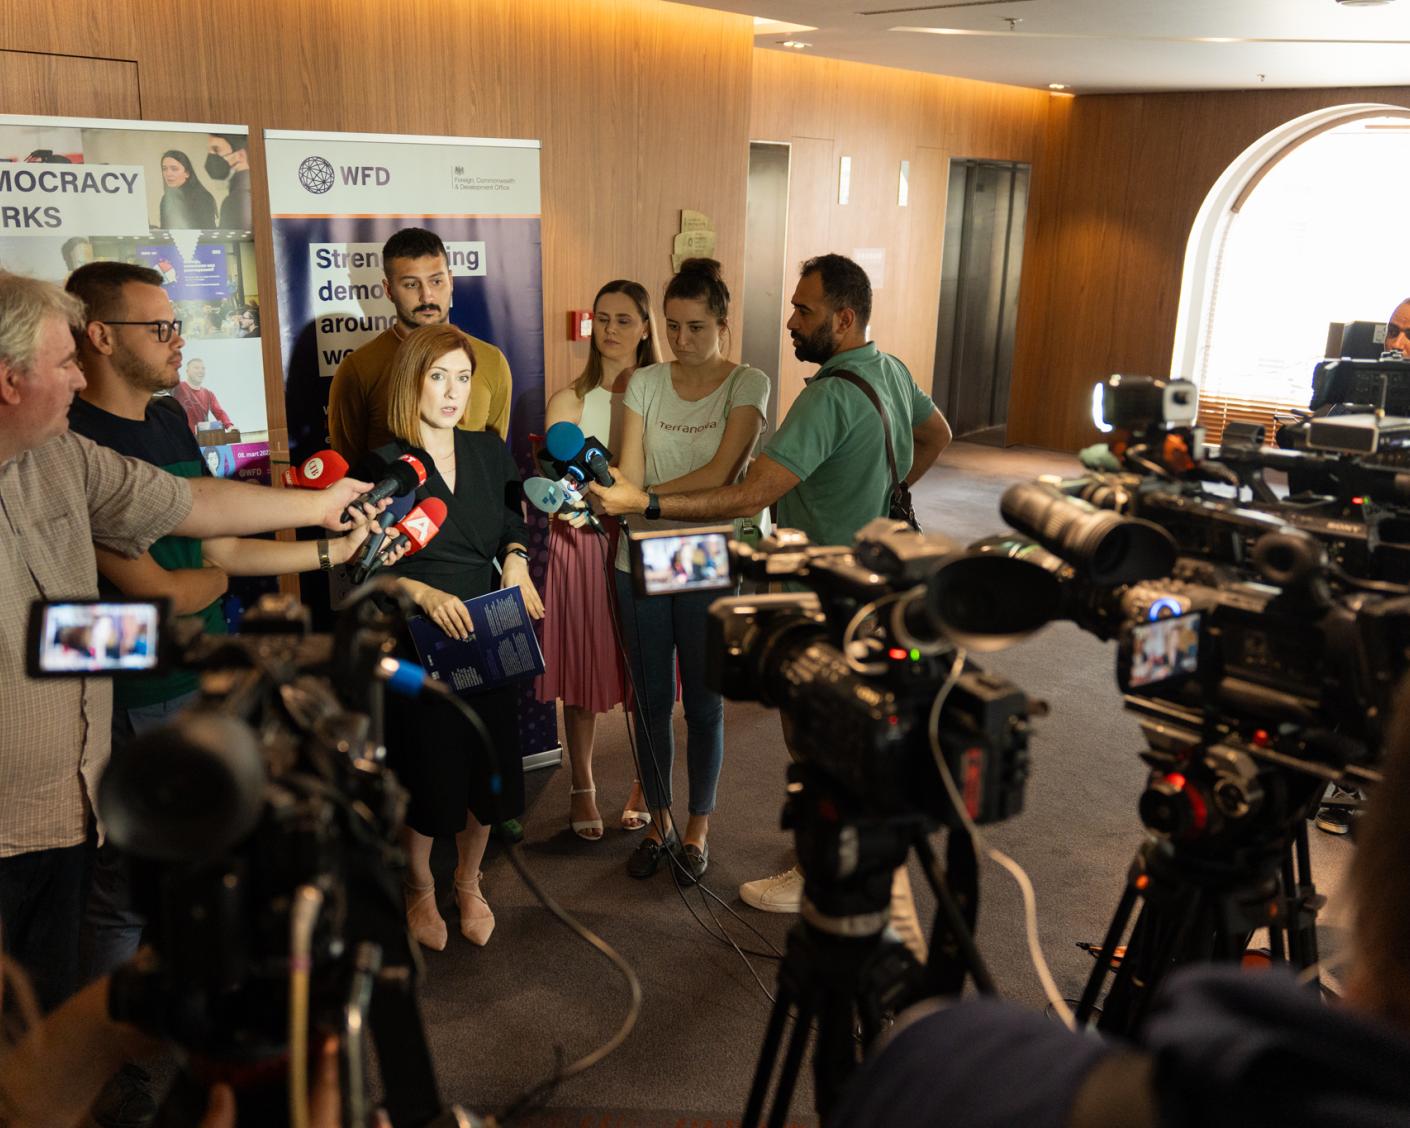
pixel 335 199
pixel 174 196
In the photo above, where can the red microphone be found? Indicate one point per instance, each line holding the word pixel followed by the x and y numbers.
pixel 418 527
pixel 318 472
pixel 422 523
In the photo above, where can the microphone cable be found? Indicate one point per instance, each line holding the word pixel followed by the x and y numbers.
pixel 677 867
pixel 981 846
pixel 536 1095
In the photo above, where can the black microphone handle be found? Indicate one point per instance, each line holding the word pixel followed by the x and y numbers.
pixel 362 573
pixel 366 563
pixel 401 478
pixel 600 470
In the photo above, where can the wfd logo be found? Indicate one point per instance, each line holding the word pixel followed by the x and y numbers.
pixel 318 175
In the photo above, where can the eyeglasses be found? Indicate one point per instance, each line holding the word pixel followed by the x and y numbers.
pixel 165 330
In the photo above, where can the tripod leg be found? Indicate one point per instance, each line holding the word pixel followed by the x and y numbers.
pixel 835 1056
pixel 412 1095
pixel 768 1055
pixel 1174 931
pixel 1107 958
pixel 952 934
pixel 1309 903
pixel 792 1060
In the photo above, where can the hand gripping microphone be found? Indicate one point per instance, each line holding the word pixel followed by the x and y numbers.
pixel 407 473
pixel 317 472
pixel 550 497
pixel 418 526
pixel 380 538
pixel 582 457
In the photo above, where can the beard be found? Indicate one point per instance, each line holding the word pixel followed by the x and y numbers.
pixel 139 374
pixel 413 318
pixel 816 347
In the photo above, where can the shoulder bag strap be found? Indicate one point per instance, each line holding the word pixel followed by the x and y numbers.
pixel 870 392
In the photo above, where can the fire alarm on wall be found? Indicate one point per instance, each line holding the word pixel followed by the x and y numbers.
pixel 579 324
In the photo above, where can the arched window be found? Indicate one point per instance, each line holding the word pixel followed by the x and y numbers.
pixel 1300 232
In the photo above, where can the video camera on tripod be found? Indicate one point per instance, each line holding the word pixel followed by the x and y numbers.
pixel 875 699
pixel 1260 668
pixel 262 826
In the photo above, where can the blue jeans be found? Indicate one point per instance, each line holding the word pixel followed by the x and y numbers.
pixel 657 629
pixel 112 928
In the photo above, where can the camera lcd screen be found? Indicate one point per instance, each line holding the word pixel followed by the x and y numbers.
pixel 67 639
pixel 695 560
pixel 1164 649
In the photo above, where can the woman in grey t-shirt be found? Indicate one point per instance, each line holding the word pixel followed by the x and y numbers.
pixel 687 425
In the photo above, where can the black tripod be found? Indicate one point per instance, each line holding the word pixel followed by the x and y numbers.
pixel 841 969
pixel 1198 908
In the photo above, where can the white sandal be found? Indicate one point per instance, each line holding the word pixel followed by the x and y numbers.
pixel 583 827
pixel 635 820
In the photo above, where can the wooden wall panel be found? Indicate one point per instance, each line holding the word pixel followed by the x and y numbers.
pixel 642 108
pixel 68 86
pixel 1127 175
pixel 827 109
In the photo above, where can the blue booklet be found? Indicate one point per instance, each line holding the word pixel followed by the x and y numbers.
pixel 501 650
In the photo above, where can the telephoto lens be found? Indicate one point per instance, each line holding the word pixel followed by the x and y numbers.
pixel 1106 547
pixel 186 792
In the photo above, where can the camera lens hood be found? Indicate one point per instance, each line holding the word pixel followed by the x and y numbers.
pixel 186 792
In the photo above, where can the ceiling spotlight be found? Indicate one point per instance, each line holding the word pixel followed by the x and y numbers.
pixel 1364 3
pixel 796 44
pixel 763 25
pixel 1057 86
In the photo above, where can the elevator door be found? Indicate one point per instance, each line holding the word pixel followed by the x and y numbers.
pixel 980 265
pixel 765 240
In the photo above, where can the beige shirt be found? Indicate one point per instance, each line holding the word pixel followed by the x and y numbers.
pixel 357 400
pixel 55 502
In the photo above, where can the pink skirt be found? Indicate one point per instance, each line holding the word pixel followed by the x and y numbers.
pixel 582 661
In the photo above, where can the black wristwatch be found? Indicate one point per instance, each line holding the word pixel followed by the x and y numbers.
pixel 652 512
pixel 516 552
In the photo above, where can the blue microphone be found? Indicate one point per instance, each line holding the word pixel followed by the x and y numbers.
pixel 581 456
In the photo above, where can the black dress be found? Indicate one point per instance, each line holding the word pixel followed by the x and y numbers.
pixel 434 751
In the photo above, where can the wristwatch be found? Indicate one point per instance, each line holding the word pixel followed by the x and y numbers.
pixel 324 560
pixel 517 552
pixel 652 512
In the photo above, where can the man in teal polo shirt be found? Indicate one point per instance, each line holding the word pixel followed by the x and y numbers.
pixel 826 465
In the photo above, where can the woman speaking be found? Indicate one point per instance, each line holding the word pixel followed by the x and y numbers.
pixel 436 753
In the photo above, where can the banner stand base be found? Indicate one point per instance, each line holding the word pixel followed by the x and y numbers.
pixel 548 758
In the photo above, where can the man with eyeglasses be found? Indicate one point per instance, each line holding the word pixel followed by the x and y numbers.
pixel 59 495
pixel 130 351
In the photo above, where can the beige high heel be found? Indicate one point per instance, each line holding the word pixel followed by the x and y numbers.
pixel 476 919
pixel 423 919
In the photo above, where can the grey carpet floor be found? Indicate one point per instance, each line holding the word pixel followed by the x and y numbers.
pixel 497 1016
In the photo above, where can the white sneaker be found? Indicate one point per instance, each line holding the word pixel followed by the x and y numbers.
pixel 904 921
pixel 782 893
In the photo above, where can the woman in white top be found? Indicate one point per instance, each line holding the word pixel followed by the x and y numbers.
pixel 687 425
pixel 582 663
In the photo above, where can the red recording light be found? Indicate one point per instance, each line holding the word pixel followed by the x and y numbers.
pixel 897 654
